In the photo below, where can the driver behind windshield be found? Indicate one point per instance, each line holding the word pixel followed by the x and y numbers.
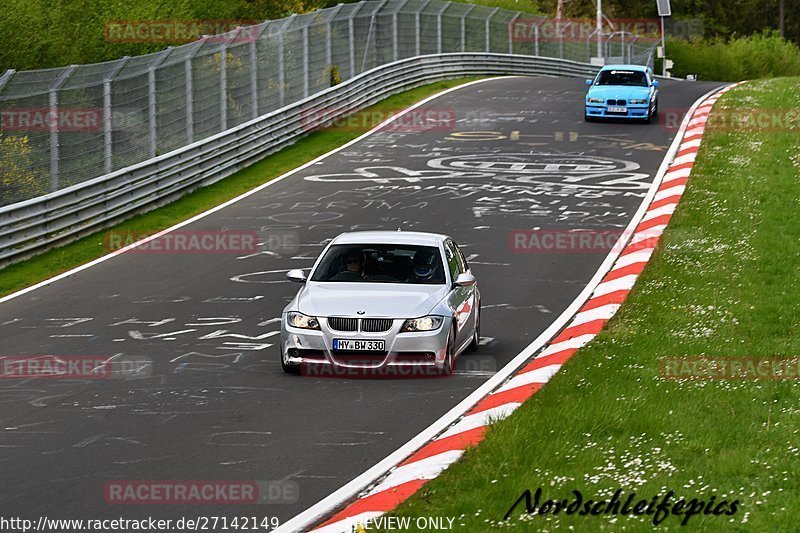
pixel 424 266
pixel 353 266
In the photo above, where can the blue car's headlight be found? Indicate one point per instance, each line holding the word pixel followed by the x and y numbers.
pixel 594 100
pixel 637 101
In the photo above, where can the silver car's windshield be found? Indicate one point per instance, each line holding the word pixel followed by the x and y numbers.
pixel 632 78
pixel 381 263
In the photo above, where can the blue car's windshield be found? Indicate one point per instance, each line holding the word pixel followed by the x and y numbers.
pixel 381 263
pixel 632 78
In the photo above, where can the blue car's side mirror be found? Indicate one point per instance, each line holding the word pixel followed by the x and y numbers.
pixel 655 83
pixel 588 82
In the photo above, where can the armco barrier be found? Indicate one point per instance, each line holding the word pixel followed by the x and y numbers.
pixel 32 226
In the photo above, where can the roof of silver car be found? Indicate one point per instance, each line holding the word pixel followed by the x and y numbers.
pixel 390 237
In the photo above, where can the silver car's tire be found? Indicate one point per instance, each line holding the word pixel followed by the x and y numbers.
pixel 476 335
pixel 449 358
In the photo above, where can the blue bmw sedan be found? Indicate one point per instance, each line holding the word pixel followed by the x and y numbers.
pixel 622 91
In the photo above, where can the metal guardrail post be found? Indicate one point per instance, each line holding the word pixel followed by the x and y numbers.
pixel 53 112
pixel 151 99
pixel 488 30
pixel 511 32
pixel 351 35
pixel 536 39
pixel 464 28
pixel 223 88
pixel 107 123
pixel 281 73
pixel 351 41
pixel 306 74
pixel 253 79
pixel 418 26
pixel 254 67
pixel 395 52
pixel 329 36
pixel 370 36
pixel 189 93
pixel 439 28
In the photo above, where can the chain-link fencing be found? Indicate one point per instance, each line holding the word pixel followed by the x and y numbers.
pixel 64 126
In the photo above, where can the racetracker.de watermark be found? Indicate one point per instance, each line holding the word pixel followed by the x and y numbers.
pixel 575 241
pixel 730 368
pixel 474 364
pixel 75 367
pixel 526 30
pixel 55 367
pixel 181 31
pixel 42 119
pixel 415 120
pixel 200 492
pixel 192 242
pixel 738 119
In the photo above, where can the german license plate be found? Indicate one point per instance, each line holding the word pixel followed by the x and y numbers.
pixel 355 345
pixel 617 110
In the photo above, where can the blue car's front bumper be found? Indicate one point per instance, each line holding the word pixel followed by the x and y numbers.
pixel 631 111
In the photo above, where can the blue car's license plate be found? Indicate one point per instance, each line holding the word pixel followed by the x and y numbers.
pixel 356 345
pixel 616 110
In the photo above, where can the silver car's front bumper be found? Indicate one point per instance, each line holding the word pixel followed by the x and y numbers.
pixel 403 350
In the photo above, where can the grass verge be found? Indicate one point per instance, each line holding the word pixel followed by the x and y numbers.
pixel 53 262
pixel 723 283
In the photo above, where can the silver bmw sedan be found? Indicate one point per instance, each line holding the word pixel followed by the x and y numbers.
pixel 382 300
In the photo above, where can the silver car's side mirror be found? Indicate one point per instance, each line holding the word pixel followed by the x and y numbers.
pixel 296 275
pixel 465 280
pixel 655 83
pixel 588 82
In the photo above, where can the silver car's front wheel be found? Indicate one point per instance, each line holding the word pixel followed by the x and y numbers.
pixel 476 334
pixel 449 354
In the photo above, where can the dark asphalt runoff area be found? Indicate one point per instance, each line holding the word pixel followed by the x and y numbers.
pixel 204 397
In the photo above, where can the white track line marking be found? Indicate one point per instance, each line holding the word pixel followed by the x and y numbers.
pixel 642 256
pixel 540 375
pixel 625 283
pixel 663 210
pixel 650 233
pixel 427 468
pixel 677 190
pixel 604 312
pixel 574 343
pixel 483 418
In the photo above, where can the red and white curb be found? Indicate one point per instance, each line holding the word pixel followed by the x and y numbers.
pixel 428 461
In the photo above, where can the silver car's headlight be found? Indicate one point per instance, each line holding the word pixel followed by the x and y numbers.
pixel 637 101
pixel 299 320
pixel 595 100
pixel 426 323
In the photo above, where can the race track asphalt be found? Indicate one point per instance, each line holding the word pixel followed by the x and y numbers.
pixel 213 404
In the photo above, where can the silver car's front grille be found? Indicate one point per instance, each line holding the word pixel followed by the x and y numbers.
pixel 343 324
pixel 376 324
pixel 371 325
